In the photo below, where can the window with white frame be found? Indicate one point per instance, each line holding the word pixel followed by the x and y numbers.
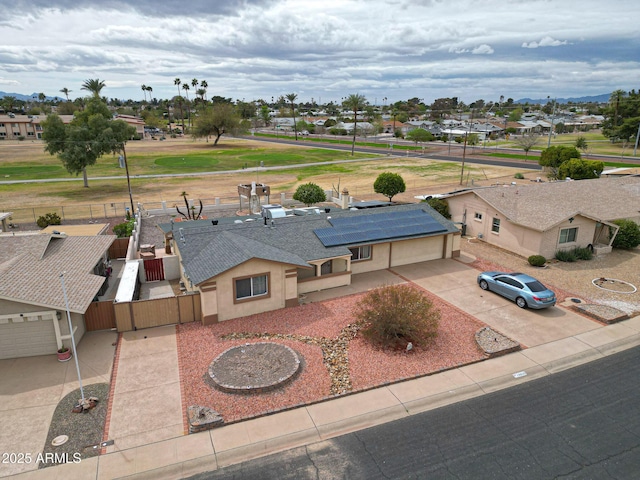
pixel 495 225
pixel 360 253
pixel 478 216
pixel 568 235
pixel 251 286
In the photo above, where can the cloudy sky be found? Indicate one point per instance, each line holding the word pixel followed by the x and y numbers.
pixel 387 50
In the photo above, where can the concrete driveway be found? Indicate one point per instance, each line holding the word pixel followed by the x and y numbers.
pixel 456 283
pixel 31 387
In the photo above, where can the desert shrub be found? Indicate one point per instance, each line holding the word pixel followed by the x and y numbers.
pixel 519 176
pixel 583 253
pixel 628 235
pixel 396 315
pixel 566 255
pixel 49 219
pixel 124 230
pixel 537 260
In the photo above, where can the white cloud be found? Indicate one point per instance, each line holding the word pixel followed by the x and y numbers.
pixel 483 49
pixel 261 48
pixel 545 42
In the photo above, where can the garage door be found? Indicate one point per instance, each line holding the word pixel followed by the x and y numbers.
pixel 29 337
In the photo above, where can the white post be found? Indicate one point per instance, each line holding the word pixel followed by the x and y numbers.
pixel 73 341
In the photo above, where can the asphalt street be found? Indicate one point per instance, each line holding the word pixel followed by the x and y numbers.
pixel 582 423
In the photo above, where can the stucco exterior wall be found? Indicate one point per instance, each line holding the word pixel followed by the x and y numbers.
pixel 324 282
pixel 379 260
pixel 225 305
pixel 171 264
pixel 585 236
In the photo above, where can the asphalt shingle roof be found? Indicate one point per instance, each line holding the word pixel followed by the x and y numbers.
pixel 30 268
pixel 541 206
pixel 208 250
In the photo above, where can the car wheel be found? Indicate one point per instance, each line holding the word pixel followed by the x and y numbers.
pixel 484 285
pixel 521 302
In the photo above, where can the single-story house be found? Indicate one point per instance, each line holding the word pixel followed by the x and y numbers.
pixel 33 311
pixel 542 218
pixel 244 267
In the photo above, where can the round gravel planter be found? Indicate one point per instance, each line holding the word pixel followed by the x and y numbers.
pixel 254 367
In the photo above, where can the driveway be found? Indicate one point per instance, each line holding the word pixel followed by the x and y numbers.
pixel 31 387
pixel 456 283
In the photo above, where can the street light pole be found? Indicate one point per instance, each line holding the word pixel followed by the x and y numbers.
pixel 73 341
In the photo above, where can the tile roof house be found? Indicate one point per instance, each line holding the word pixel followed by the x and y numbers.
pixel 254 266
pixel 542 218
pixel 32 305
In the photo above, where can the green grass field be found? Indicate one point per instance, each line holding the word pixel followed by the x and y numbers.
pixel 188 161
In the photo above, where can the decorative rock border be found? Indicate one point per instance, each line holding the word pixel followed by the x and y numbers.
pixel 254 367
pixel 494 344
pixel 602 313
pixel 203 418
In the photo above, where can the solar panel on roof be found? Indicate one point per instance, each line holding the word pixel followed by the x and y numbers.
pixel 379 226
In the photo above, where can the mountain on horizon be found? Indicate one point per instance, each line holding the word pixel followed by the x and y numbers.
pixel 27 98
pixel 542 101
pixel 603 98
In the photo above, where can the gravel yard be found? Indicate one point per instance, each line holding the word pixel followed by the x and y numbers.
pixel 569 279
pixel 311 330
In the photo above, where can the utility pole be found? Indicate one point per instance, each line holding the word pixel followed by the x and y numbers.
pixel 553 116
pixel 464 152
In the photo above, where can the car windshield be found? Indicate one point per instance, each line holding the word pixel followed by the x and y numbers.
pixel 536 286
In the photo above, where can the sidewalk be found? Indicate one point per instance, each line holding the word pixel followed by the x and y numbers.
pixel 179 456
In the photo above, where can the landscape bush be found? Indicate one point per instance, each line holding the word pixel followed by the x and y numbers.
pixel 583 253
pixel 124 230
pixel 628 236
pixel 309 193
pixel 566 256
pixel 48 219
pixel 519 176
pixel 395 315
pixel 537 260
pixel 439 205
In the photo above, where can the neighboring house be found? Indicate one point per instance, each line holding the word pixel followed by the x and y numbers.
pixel 136 122
pixel 248 267
pixel 542 218
pixel 33 318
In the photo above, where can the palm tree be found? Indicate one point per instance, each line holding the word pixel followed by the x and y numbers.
pixel 291 97
pixel 144 90
pixel 186 87
pixel 177 82
pixel 194 82
pixel 94 86
pixel 354 102
pixel 204 85
pixel 42 97
pixel 66 92
pixel 149 89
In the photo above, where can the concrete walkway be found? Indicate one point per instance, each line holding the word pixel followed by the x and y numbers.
pixel 146 406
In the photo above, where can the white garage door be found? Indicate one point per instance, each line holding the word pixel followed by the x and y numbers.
pixel 27 338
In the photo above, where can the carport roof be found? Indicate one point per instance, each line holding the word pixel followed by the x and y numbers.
pixel 30 268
